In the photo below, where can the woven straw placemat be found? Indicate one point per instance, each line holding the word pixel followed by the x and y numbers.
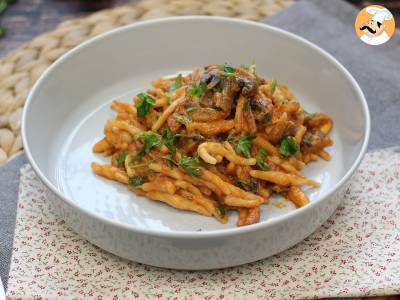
pixel 21 68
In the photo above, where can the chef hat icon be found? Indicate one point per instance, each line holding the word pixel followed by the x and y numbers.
pixel 379 14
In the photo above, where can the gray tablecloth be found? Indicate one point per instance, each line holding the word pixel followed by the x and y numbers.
pixel 329 24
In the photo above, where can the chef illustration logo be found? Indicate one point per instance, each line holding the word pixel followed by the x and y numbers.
pixel 374 25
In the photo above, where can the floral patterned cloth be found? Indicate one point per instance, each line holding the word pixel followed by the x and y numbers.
pixel 355 253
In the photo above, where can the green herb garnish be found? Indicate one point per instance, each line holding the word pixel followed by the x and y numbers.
pixel 221 208
pixel 170 160
pixel 284 101
pixel 244 145
pixel 260 159
pixel 246 106
pixel 191 109
pixel 169 97
pixel 150 139
pixel 169 139
pixel 144 104
pixel 230 137
pixel 227 70
pixel 121 158
pixel 190 165
pixel 177 84
pixel 249 66
pixel 273 86
pixel 197 90
pixel 288 147
pixel 136 181
pixel 185 120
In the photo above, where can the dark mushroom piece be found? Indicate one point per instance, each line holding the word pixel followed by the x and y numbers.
pixel 314 141
pixel 211 78
pixel 262 110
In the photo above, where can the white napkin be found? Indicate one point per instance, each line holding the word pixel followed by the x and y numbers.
pixel 355 253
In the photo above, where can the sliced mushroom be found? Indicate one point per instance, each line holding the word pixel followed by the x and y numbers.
pixel 211 78
pixel 314 141
pixel 262 109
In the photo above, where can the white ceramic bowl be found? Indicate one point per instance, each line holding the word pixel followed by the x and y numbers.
pixel 68 106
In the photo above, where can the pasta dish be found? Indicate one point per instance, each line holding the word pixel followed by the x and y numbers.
pixel 214 141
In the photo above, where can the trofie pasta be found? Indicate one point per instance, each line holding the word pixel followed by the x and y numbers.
pixel 214 141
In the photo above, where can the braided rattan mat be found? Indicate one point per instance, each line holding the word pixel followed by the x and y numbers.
pixel 21 68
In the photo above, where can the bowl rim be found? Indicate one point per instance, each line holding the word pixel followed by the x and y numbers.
pixel 197 234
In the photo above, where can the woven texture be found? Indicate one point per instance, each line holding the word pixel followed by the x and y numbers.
pixel 21 68
pixel 355 253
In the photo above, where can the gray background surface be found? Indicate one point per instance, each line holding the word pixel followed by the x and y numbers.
pixel 329 24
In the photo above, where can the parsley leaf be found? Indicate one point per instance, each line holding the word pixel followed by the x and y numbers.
pixel 190 165
pixel 144 104
pixel 221 208
pixel 284 101
pixel 249 66
pixel 177 84
pixel 191 109
pixel 230 137
pixel 244 145
pixel 246 106
pixel 197 90
pixel 273 86
pixel 260 159
pixel 169 139
pixel 169 97
pixel 288 147
pixel 227 70
pixel 136 181
pixel 170 160
pixel 150 139
pixel 182 119
pixel 121 158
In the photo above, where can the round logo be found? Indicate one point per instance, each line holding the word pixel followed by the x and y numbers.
pixel 374 25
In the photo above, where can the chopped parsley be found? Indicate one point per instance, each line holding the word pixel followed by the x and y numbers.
pixel 244 145
pixel 185 120
pixel 230 137
pixel 168 97
pixel 177 84
pixel 144 104
pixel 227 70
pixel 150 139
pixel 246 106
pixel 121 158
pixel 197 90
pixel 136 181
pixel 284 101
pixel 170 160
pixel 273 86
pixel 221 208
pixel 169 139
pixel 191 109
pixel 190 165
pixel 288 147
pixel 248 66
pixel 260 159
